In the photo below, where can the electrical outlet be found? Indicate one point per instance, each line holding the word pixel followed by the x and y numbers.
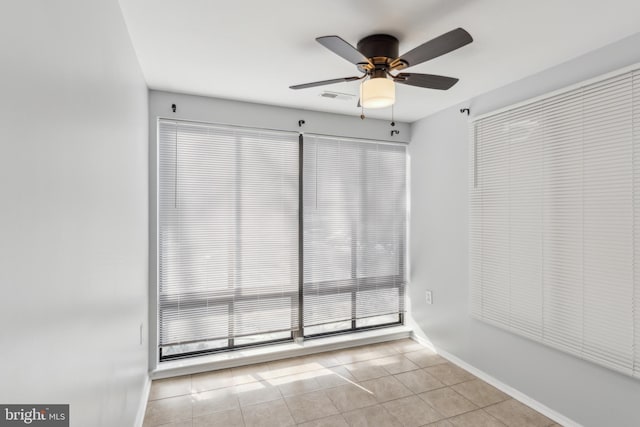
pixel 429 297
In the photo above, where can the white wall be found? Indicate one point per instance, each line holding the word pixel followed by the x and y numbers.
pixel 73 206
pixel 224 111
pixel 587 393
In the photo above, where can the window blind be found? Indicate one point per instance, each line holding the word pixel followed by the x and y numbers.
pixel 554 205
pixel 227 235
pixel 354 209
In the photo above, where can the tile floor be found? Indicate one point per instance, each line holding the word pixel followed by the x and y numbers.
pixel 398 383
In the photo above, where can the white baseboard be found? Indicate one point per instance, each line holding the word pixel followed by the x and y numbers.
pixel 532 403
pixel 142 407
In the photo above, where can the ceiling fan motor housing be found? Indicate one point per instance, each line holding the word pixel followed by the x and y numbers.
pixel 381 49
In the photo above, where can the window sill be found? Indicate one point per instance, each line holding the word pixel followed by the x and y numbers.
pixel 270 353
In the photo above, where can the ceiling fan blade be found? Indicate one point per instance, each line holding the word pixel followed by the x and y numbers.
pixel 325 82
pixel 429 81
pixel 433 48
pixel 341 48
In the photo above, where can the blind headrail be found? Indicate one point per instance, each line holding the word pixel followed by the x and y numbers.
pixel 557 92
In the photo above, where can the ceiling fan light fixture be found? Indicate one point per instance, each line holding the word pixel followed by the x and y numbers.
pixel 378 92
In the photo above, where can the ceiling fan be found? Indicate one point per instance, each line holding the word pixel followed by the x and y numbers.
pixel 377 57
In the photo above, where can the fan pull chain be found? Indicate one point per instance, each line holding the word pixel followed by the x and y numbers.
pixel 393 122
pixel 361 111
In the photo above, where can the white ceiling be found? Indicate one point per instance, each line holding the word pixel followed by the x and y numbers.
pixel 253 50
